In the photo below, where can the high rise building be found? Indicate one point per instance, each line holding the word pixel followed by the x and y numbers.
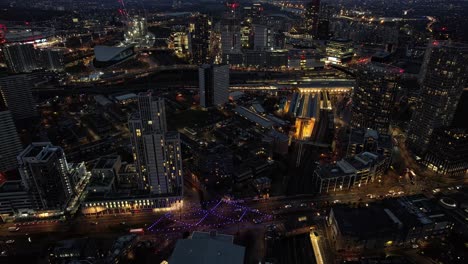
pixel 230 35
pixel 157 153
pixel 263 37
pixel 52 59
pixel 443 77
pixel 311 17
pixel 17 95
pixel 10 145
pixel 231 39
pixel 200 32
pixel 45 174
pixel 20 57
pixel 374 94
pixel 213 82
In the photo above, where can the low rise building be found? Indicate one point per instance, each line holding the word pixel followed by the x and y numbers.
pixel 350 172
pixel 207 248
pixel 395 221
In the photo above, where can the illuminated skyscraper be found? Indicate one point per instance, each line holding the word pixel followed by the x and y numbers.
pixel 311 17
pixel 200 32
pixel 156 152
pixel 444 74
pixel 373 98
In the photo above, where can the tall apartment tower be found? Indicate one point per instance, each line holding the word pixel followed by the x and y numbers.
pixel 17 95
pixel 200 32
pixel 20 57
pixel 10 145
pixel 373 98
pixel 152 146
pixel 213 81
pixel 443 76
pixel 45 174
pixel 311 17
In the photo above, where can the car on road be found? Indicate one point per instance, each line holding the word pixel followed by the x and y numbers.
pixel 238 210
pixel 288 206
pixel 94 223
pixel 123 223
pixel 13 228
pixel 256 211
pixel 303 205
pixel 11 241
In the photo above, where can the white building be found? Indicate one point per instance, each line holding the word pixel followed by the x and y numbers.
pixel 10 145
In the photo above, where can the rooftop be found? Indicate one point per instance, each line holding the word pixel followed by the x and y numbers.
pixel 207 248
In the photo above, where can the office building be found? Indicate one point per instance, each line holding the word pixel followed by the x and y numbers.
pixel 374 95
pixel 17 95
pixel 20 57
pixel 351 172
pixel 263 37
pixel 157 153
pixel 443 76
pixel 45 174
pixel 339 51
pixel 10 145
pixel 213 84
pixel 52 59
pixel 397 221
pixel 448 151
pixel 231 42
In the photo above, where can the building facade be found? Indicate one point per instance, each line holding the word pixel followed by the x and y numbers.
pixel 17 95
pixel 374 95
pixel 20 57
pixel 448 152
pixel 156 152
pixel 213 83
pixel 10 145
pixel 45 174
pixel 443 77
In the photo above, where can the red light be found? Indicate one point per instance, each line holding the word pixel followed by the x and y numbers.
pixel 402 71
pixel 444 28
pixel 435 43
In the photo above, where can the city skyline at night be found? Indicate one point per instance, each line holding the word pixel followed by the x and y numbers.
pixel 238 131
